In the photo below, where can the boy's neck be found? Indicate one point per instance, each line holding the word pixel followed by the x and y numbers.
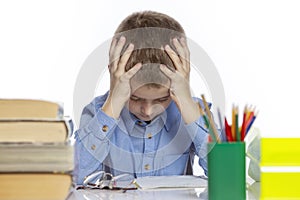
pixel 148 122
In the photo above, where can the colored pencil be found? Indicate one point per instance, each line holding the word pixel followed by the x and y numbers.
pixel 237 131
pixel 221 125
pixel 207 124
pixel 228 131
pixel 233 123
pixel 211 121
pixel 252 120
pixel 243 129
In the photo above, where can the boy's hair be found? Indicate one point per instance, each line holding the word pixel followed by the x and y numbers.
pixel 149 31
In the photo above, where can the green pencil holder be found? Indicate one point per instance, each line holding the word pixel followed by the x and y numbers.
pixel 226 171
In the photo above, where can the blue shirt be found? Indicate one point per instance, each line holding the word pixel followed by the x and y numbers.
pixel 166 146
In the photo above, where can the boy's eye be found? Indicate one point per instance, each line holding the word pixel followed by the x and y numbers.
pixel 162 100
pixel 156 100
pixel 134 99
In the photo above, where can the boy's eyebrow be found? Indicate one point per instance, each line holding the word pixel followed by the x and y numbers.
pixel 153 99
pixel 164 97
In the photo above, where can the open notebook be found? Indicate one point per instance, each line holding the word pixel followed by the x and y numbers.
pixel 152 182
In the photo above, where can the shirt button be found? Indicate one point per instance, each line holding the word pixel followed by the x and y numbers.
pixel 139 123
pixel 149 135
pixel 93 147
pixel 147 167
pixel 104 128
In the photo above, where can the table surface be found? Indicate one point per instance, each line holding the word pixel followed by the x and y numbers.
pixel 157 194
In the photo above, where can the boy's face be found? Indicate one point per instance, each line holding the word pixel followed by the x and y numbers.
pixel 147 102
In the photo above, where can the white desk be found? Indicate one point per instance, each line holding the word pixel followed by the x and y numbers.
pixel 157 194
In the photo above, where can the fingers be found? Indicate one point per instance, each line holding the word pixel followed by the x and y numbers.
pixel 130 73
pixel 174 57
pixel 115 52
pixel 180 60
pixel 170 74
pixel 124 58
pixel 186 58
pixel 179 48
pixel 112 46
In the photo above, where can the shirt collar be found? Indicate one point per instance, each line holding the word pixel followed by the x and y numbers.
pixel 129 121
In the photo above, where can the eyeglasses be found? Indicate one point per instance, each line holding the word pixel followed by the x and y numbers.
pixel 103 180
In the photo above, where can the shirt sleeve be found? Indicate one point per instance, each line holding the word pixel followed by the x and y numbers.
pixel 92 141
pixel 199 135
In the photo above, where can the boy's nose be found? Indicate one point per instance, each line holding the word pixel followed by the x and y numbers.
pixel 147 108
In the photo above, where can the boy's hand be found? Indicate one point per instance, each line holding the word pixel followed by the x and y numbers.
pixel 119 79
pixel 180 87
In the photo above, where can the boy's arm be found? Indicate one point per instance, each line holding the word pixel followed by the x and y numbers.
pixel 180 86
pixel 199 135
pixel 92 142
pixel 180 93
pixel 97 125
pixel 119 79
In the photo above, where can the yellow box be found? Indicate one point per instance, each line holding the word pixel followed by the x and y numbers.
pixel 280 185
pixel 280 152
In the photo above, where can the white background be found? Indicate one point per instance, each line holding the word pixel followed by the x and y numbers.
pixel 255 46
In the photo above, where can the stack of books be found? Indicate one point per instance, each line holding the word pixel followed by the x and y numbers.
pixel 280 168
pixel 36 154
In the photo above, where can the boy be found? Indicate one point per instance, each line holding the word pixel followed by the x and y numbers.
pixel 148 124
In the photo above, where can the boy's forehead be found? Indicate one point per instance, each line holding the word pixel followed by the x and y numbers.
pixel 135 85
pixel 150 92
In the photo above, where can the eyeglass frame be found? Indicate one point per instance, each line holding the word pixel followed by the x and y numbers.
pixel 99 183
